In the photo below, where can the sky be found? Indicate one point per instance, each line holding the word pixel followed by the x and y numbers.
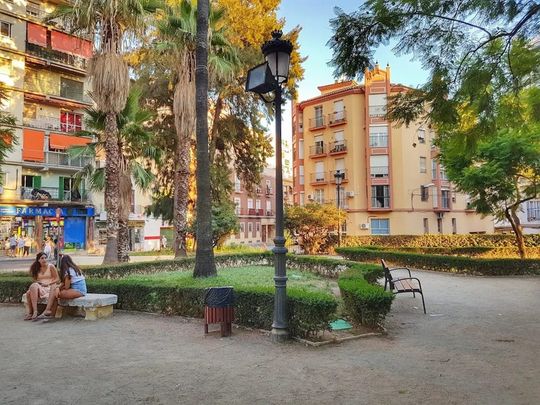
pixel 313 16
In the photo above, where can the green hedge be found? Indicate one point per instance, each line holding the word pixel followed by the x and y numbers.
pixel 366 303
pixel 446 241
pixel 308 311
pixel 451 264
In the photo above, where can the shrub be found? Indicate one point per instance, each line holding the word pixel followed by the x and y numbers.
pixel 367 304
pixel 452 264
pixel 308 311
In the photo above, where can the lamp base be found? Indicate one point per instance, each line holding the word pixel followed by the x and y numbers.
pixel 279 335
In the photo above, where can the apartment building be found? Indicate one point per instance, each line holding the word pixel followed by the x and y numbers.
pixel 43 70
pixel 387 176
pixel 529 218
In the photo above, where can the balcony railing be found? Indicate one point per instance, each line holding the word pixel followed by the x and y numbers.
pixel 337 117
pixel 320 177
pixel 338 147
pixel 34 11
pixel 50 123
pixel 379 171
pixel 380 202
pixel 63 159
pixel 56 56
pixel 317 149
pixel 317 122
pixel 343 204
pixel 51 193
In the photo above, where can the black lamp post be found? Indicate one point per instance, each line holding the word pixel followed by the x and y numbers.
pixel 263 79
pixel 339 179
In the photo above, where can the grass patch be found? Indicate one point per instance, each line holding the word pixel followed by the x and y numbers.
pixel 245 276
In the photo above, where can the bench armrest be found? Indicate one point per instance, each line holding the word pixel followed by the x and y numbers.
pixel 401 268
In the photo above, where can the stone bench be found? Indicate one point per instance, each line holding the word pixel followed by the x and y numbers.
pixel 94 305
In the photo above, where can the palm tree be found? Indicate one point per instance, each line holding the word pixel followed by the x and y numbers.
pixel 111 23
pixel 177 34
pixel 137 155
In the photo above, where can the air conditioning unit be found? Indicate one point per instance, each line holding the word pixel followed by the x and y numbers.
pixel 364 226
pixel 349 194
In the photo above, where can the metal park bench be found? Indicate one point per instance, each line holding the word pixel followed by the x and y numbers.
pixel 402 284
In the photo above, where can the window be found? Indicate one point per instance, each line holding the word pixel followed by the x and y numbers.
pixel 433 169
pixel 339 164
pixel 380 196
pixel 302 198
pixel 380 226
pixel 242 228
pixel 319 171
pixel 319 118
pixel 423 168
pixel 533 210
pixel 237 184
pixel 5 29
pixel 70 122
pixel 301 175
pixel 268 207
pixel 250 203
pixel 454 226
pixel 442 171
pixel 424 193
pixel 300 149
pixel 258 227
pixel 341 199
pixel 421 133
pixel 268 187
pixel 30 111
pixel 3 179
pixel 435 198
pixel 318 196
pixel 439 225
pixel 377 105
pixel 378 165
pixel 5 68
pixel 445 199
pixel 339 142
pixel 339 111
pixel 250 227
pixel 378 136
pixel 426 225
pixel 319 145
pixel 237 206
pixel 72 89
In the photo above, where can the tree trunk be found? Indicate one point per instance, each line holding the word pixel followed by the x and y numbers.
pixel 204 260
pixel 510 214
pixel 123 217
pixel 214 132
pixel 184 127
pixel 112 187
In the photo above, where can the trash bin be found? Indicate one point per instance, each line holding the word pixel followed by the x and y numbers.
pixel 219 308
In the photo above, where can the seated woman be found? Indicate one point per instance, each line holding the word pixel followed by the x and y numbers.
pixel 73 285
pixel 45 278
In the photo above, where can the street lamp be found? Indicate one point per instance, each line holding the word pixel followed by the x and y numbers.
pixel 339 179
pixel 264 79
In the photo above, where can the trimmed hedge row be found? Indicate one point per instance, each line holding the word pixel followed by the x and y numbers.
pixel 451 264
pixel 432 240
pixel 309 311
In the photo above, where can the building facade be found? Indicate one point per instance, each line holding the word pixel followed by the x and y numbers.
pixel 43 70
pixel 529 218
pixel 391 181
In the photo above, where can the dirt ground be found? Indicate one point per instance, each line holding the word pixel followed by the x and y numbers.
pixel 479 344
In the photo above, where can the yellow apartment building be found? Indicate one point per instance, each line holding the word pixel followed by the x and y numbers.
pixel 391 182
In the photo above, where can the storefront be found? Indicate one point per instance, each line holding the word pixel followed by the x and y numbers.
pixel 71 226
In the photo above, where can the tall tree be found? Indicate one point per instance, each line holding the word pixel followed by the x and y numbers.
pixel 138 155
pixel 205 265
pixel 112 22
pixel 177 33
pixel 7 129
pixel 481 55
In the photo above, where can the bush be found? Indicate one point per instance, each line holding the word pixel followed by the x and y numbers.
pixel 308 311
pixel 446 241
pixel 452 264
pixel 367 304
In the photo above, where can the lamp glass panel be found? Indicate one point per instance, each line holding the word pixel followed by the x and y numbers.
pixel 279 65
pixel 256 77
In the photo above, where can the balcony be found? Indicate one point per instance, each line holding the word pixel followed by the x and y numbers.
pixel 333 178
pixel 52 193
pixel 319 178
pixel 343 204
pixel 316 123
pixel 56 56
pixel 338 147
pixel 379 171
pixel 62 159
pixel 317 150
pixel 45 85
pixel 337 118
pixel 51 123
pixel 34 11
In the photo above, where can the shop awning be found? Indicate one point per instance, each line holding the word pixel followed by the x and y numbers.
pixel 58 141
pixel 70 44
pixel 36 34
pixel 33 145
